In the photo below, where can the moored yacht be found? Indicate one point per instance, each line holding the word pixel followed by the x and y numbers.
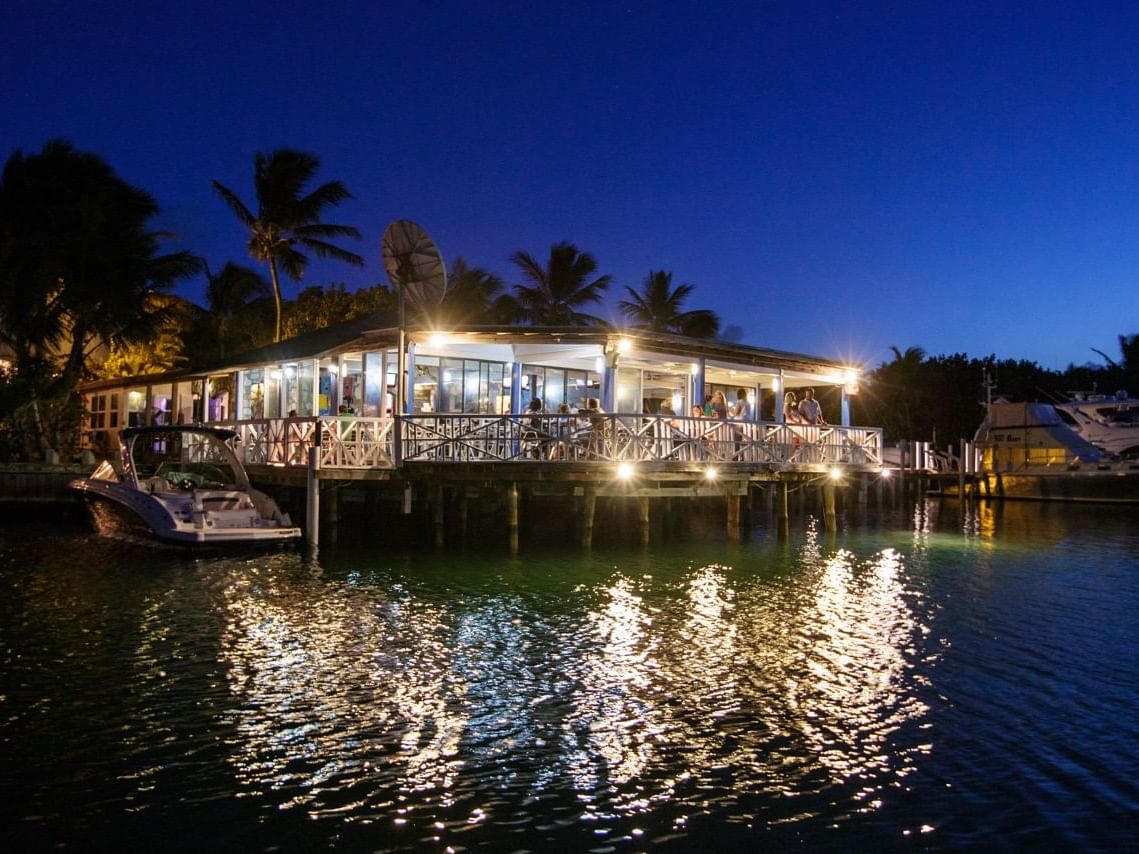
pixel 1029 451
pixel 182 484
pixel 1110 422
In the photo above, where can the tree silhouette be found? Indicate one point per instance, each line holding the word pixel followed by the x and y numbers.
pixel 557 291
pixel 288 219
pixel 658 307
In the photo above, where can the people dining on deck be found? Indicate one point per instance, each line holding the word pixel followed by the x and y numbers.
pixel 533 432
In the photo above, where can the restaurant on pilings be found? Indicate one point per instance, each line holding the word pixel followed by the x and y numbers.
pixel 466 392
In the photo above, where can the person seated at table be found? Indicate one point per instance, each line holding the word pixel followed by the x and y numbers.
pixel 533 434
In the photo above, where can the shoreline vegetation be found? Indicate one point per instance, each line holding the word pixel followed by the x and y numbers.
pixel 61 322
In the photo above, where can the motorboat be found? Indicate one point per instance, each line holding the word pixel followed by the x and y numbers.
pixel 182 484
pixel 1110 422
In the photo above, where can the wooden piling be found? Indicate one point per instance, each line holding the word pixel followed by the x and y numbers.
pixel 512 515
pixel 438 512
pixel 733 517
pixel 784 516
pixel 312 503
pixel 643 519
pixel 589 505
pixel 829 515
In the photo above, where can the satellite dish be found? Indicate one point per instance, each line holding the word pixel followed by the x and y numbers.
pixel 414 264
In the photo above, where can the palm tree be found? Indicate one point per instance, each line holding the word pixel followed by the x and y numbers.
pixel 475 295
pixel 288 219
pixel 79 270
pixel 229 294
pixel 78 267
pixel 559 290
pixel 657 307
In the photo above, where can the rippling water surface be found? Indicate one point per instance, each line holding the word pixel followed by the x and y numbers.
pixel 946 680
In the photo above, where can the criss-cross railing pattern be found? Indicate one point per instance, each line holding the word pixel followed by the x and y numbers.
pixel 365 442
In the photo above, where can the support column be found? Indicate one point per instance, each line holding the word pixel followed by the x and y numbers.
pixel 463 515
pixel 409 397
pixel 829 514
pixel 516 387
pixel 784 516
pixel 589 505
pixel 512 515
pixel 643 518
pixel 733 517
pixel 312 497
pixel 439 515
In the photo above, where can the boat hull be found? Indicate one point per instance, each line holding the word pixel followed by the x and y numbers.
pixel 1087 487
pixel 117 510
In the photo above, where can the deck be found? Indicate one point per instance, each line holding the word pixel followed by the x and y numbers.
pixel 350 444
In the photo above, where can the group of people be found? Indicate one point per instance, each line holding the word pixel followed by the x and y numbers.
pixel 805 411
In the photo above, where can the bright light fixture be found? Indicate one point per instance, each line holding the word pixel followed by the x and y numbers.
pixel 623 346
pixel 711 473
pixel 625 471
pixel 835 473
pixel 436 339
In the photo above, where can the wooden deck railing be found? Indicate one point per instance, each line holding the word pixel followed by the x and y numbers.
pixel 359 442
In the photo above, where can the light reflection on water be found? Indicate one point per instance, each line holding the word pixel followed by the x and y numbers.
pixel 885 687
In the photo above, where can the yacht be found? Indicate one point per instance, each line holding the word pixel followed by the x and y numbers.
pixel 182 484
pixel 1029 450
pixel 1110 422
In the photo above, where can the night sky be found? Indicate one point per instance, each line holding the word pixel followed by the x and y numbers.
pixel 835 178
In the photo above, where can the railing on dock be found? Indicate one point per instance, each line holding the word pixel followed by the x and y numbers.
pixel 363 442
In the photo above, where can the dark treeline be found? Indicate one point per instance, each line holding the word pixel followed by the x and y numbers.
pixel 942 398
pixel 86 292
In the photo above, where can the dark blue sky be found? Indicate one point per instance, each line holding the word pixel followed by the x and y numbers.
pixel 834 178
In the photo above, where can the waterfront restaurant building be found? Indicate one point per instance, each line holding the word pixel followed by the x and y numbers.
pixel 465 394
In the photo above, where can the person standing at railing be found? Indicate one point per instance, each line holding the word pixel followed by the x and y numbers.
pixel 810 409
pixel 719 405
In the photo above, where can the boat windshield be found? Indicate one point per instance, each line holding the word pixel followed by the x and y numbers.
pixel 1119 415
pixel 185 459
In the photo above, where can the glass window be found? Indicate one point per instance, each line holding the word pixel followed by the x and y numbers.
pixel 253 393
pixel 628 397
pixel 472 376
pixel 373 384
pixel 220 390
pixel 555 389
pixel 136 407
pixel 352 380
pixel 426 384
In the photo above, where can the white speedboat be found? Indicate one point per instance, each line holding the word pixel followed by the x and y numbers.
pixel 182 484
pixel 1110 422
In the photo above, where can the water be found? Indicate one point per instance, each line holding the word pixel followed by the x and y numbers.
pixel 934 681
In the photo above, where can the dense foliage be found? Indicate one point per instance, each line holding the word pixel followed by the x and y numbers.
pixel 84 292
pixel 941 398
